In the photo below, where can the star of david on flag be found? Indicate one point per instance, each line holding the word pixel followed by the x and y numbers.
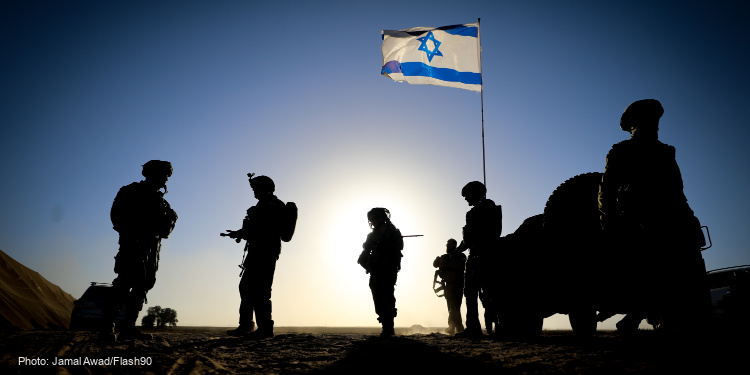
pixel 442 56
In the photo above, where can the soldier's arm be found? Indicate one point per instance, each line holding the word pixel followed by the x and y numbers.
pixel 462 247
pixel 399 240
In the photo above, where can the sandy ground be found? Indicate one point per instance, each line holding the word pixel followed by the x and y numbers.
pixel 350 350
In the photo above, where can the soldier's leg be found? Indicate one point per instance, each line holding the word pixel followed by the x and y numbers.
pixel 453 298
pixel 134 305
pixel 375 290
pixel 449 303
pixel 471 292
pixel 246 301
pixel 382 286
pixel 118 294
pixel 261 297
pixel 247 324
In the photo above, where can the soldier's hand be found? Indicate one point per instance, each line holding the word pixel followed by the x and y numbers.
pixel 232 234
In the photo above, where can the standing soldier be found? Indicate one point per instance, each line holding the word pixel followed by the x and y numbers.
pixel 142 217
pixel 262 229
pixel 480 235
pixel 643 206
pixel 381 258
pixel 451 268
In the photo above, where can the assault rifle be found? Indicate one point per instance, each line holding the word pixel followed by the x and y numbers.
pixel 440 282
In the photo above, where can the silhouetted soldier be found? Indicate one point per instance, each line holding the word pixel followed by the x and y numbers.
pixel 142 217
pixel 480 235
pixel 262 230
pixel 643 206
pixel 381 258
pixel 451 267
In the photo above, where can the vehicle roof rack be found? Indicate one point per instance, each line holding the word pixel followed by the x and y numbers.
pixel 94 283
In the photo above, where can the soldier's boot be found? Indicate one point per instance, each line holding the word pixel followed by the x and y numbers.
pixel 451 329
pixel 459 327
pixel 265 323
pixel 265 330
pixel 387 328
pixel 471 331
pixel 130 332
pixel 242 330
pixel 133 333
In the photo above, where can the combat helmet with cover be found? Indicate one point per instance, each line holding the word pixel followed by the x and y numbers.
pixel 154 168
pixel 474 188
pixel 646 112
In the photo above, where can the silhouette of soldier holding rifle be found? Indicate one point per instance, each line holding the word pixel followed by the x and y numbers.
pixel 263 230
pixel 451 269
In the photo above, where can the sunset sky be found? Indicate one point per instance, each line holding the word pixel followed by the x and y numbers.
pixel 91 90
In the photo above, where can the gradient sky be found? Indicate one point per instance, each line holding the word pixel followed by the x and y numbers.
pixel 92 90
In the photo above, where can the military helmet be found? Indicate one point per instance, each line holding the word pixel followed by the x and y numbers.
pixel 474 188
pixel 646 111
pixel 454 244
pixel 157 168
pixel 264 183
pixel 379 213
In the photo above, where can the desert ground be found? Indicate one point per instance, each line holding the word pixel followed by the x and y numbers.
pixel 205 350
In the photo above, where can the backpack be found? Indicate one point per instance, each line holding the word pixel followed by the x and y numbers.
pixel 288 221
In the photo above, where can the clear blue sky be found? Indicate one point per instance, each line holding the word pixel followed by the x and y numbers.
pixel 291 89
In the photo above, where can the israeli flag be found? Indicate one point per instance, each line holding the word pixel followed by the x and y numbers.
pixel 441 56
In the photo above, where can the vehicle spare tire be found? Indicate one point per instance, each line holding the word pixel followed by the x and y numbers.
pixel 573 208
pixel 573 233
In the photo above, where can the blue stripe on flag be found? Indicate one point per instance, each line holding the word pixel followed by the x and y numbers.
pixel 443 74
pixel 391 67
pixel 460 30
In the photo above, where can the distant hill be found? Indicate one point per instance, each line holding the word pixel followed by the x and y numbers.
pixel 29 301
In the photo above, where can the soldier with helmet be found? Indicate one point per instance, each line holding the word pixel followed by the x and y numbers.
pixel 142 217
pixel 381 258
pixel 480 236
pixel 644 209
pixel 451 269
pixel 262 230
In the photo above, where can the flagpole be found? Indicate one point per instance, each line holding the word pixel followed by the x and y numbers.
pixel 481 94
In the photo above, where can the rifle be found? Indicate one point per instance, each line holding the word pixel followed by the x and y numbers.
pixel 435 281
pixel 244 254
pixel 238 240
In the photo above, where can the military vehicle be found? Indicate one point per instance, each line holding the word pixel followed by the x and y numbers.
pixel 561 262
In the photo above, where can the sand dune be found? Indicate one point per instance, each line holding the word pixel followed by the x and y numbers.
pixel 28 300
